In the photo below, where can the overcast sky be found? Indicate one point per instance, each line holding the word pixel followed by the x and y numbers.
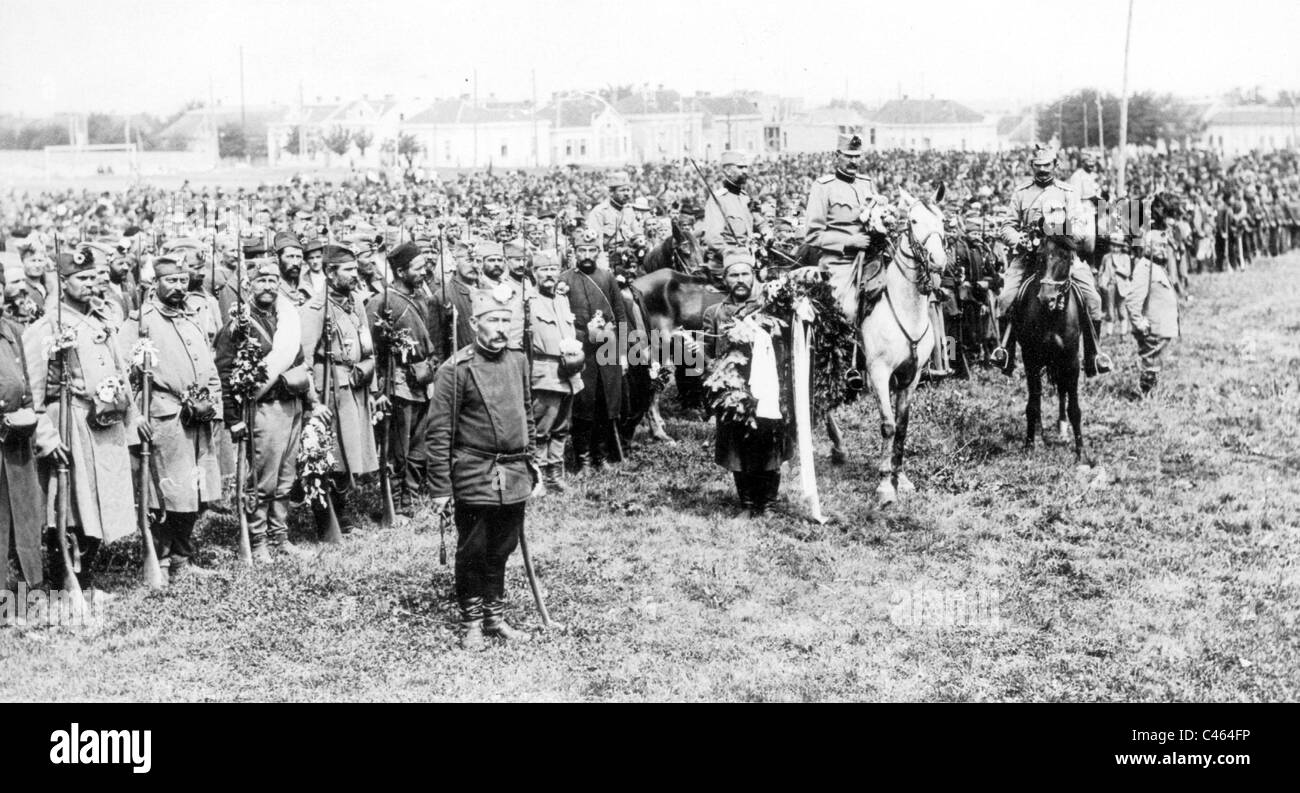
pixel 153 55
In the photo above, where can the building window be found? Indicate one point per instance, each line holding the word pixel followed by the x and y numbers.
pixel 446 150
pixel 505 150
pixel 568 148
pixel 582 148
pixel 873 136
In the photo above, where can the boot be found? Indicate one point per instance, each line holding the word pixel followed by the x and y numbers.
pixel 182 567
pixel 348 522
pixel 1004 358
pixel 553 476
pixel 494 623
pixel 261 553
pixel 471 623
pixel 581 444
pixel 1101 361
pixel 405 503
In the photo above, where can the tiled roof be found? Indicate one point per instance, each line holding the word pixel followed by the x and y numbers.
pixel 925 111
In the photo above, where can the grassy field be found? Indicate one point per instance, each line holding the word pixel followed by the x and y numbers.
pixel 1168 572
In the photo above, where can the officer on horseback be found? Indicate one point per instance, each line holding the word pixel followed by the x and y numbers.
pixel 1047 205
pixel 839 216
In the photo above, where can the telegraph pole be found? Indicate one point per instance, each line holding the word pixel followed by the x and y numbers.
pixel 1120 186
pixel 243 108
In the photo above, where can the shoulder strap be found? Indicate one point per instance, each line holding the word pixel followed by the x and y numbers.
pixel 599 291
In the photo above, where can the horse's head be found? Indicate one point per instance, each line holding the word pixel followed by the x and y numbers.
pixel 923 237
pixel 1055 256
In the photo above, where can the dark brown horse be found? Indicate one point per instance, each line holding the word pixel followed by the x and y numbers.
pixel 679 251
pixel 1046 320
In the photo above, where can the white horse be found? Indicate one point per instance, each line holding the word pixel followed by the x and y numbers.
pixel 897 337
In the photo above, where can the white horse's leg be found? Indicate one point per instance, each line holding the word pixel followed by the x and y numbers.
pixel 902 413
pixel 879 373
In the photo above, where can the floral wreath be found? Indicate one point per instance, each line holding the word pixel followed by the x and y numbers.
pixel 833 336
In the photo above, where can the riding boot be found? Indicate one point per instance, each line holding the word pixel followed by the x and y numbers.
pixel 494 622
pixel 471 623
pixel 1005 357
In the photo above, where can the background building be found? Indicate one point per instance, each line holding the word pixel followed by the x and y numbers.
pixel 1237 130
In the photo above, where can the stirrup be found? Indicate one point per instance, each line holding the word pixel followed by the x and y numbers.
pixel 1101 361
pixel 999 357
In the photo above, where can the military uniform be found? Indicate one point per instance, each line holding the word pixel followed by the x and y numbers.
pixel 551 323
pixel 728 223
pixel 597 405
pixel 281 406
pixel 185 475
pixel 22 503
pixel 412 377
pixel 352 357
pixel 100 462
pixel 1054 204
pixel 615 225
pixel 832 220
pixel 480 436
pixel 1151 306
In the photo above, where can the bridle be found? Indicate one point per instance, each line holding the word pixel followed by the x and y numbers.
pixel 916 251
pixel 919 272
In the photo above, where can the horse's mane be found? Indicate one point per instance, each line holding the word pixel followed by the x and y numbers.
pixel 1056 253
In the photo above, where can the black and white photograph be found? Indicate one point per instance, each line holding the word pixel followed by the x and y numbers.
pixel 626 352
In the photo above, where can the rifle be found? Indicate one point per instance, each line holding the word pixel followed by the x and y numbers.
pixel 533 583
pixel 63 505
pixel 151 572
pixel 244 458
pixel 446 515
pixel 385 472
pixel 712 195
pixel 333 534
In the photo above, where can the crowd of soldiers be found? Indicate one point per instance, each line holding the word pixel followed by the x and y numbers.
pixel 449 335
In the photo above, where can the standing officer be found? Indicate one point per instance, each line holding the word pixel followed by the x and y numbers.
pixel 282 402
pixel 598 316
pixel 557 368
pixel 351 353
pixel 480 438
pixel 186 395
pixel 1047 205
pixel 728 221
